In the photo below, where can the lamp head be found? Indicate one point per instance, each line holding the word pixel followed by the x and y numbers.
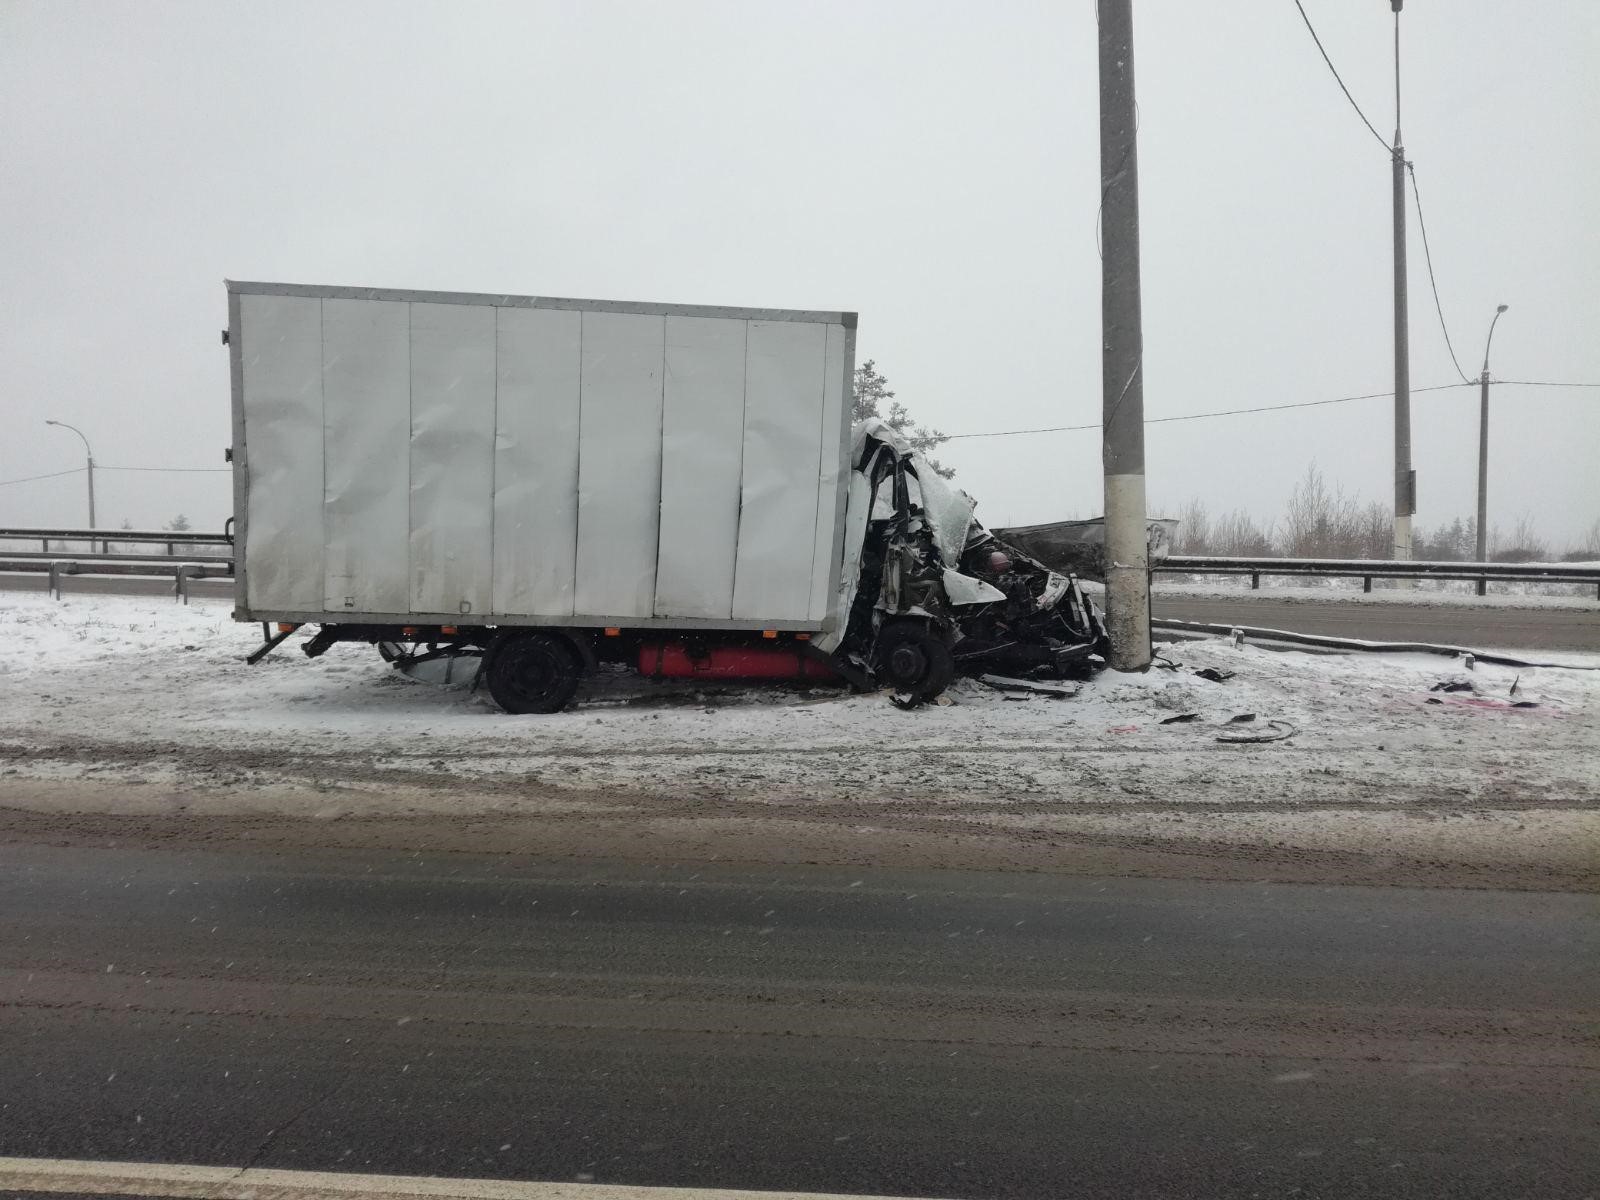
pixel 1502 308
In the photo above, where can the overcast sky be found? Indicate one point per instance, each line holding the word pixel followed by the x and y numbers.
pixel 932 166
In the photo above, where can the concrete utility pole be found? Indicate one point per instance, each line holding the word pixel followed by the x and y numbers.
pixel 1122 349
pixel 1405 479
pixel 1483 448
pixel 90 455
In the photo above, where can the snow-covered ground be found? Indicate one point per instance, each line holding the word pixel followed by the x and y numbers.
pixel 146 708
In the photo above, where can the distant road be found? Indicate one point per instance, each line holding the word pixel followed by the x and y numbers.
pixel 1489 628
pixel 946 1034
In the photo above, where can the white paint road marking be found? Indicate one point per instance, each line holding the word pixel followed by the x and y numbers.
pixel 251 1183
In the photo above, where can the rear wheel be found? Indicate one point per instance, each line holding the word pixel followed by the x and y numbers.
pixel 910 657
pixel 532 672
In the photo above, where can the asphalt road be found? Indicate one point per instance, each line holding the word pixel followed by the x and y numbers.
pixel 1488 628
pixel 957 1034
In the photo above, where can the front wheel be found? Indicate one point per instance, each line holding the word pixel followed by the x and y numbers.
pixel 911 658
pixel 532 672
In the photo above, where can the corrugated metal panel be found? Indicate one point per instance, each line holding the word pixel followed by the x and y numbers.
pixel 536 461
pixel 452 457
pixel 830 464
pixel 281 350
pixel 619 464
pixel 702 434
pixel 782 461
pixel 366 390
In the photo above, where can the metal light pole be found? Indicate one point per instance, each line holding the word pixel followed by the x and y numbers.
pixel 1483 449
pixel 1122 349
pixel 90 455
pixel 1405 479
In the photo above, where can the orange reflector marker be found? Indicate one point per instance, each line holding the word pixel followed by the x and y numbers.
pixel 613 632
pixel 802 637
pixel 769 633
pixel 449 629
pixel 408 631
pixel 286 627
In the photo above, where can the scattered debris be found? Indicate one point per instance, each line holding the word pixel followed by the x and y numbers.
pixel 1469 661
pixel 1273 731
pixel 1454 685
pixel 1181 718
pixel 1516 685
pixel 1240 719
pixel 1006 683
pixel 1214 675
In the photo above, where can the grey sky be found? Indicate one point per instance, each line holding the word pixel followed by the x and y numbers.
pixel 933 166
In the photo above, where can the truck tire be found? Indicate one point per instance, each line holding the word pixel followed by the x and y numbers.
pixel 532 672
pixel 912 658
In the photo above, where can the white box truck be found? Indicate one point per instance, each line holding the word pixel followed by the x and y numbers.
pixel 540 485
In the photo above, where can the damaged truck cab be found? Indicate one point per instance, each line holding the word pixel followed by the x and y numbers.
pixel 519 491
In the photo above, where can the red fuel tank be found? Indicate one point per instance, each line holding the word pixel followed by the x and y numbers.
pixel 673 660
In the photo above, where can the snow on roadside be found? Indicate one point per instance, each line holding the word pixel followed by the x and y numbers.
pixel 159 690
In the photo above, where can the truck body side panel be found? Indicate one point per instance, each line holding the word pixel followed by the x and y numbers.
pixel 536 461
pixel 452 457
pixel 425 457
pixel 280 348
pixel 702 444
pixel 366 421
pixel 619 463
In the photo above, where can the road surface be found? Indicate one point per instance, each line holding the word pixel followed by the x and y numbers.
pixel 957 1034
pixel 1488 628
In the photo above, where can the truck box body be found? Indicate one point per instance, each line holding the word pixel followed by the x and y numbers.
pixel 425 457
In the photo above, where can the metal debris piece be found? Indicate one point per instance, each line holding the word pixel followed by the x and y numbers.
pixel 1181 718
pixel 1240 719
pixel 1214 675
pixel 1006 683
pixel 1453 685
pixel 1274 731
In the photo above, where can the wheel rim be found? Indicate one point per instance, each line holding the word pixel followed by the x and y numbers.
pixel 907 664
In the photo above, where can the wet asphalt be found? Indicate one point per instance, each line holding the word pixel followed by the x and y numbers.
pixel 956 1034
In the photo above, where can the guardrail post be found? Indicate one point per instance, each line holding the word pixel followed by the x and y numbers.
pixel 180 584
pixel 1255 581
pixel 1366 583
pixel 1483 587
pixel 55 580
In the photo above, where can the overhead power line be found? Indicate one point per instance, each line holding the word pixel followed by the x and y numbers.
pixel 1544 383
pixel 50 475
pixel 1230 412
pixel 1427 255
pixel 1336 78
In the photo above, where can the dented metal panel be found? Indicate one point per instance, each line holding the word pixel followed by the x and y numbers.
pixel 619 464
pixel 530 460
pixel 366 403
pixel 782 467
pixel 702 443
pixel 536 461
pixel 452 457
pixel 281 354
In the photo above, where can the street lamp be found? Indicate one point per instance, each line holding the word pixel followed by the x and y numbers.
pixel 90 455
pixel 1483 449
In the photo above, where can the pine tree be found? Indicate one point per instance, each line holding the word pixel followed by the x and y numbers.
pixel 874 399
pixel 179 524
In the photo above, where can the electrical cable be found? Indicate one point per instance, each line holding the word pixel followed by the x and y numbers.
pixel 1338 80
pixel 1433 283
pixel 50 475
pixel 1231 412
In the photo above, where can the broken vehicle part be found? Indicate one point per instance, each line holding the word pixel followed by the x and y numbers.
pixel 1272 731
pixel 1214 675
pixel 1079 547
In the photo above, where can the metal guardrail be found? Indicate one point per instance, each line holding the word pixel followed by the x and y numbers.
pixel 1367 570
pixel 182 571
pixel 107 538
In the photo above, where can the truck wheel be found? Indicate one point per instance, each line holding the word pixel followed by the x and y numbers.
pixel 532 672
pixel 911 657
